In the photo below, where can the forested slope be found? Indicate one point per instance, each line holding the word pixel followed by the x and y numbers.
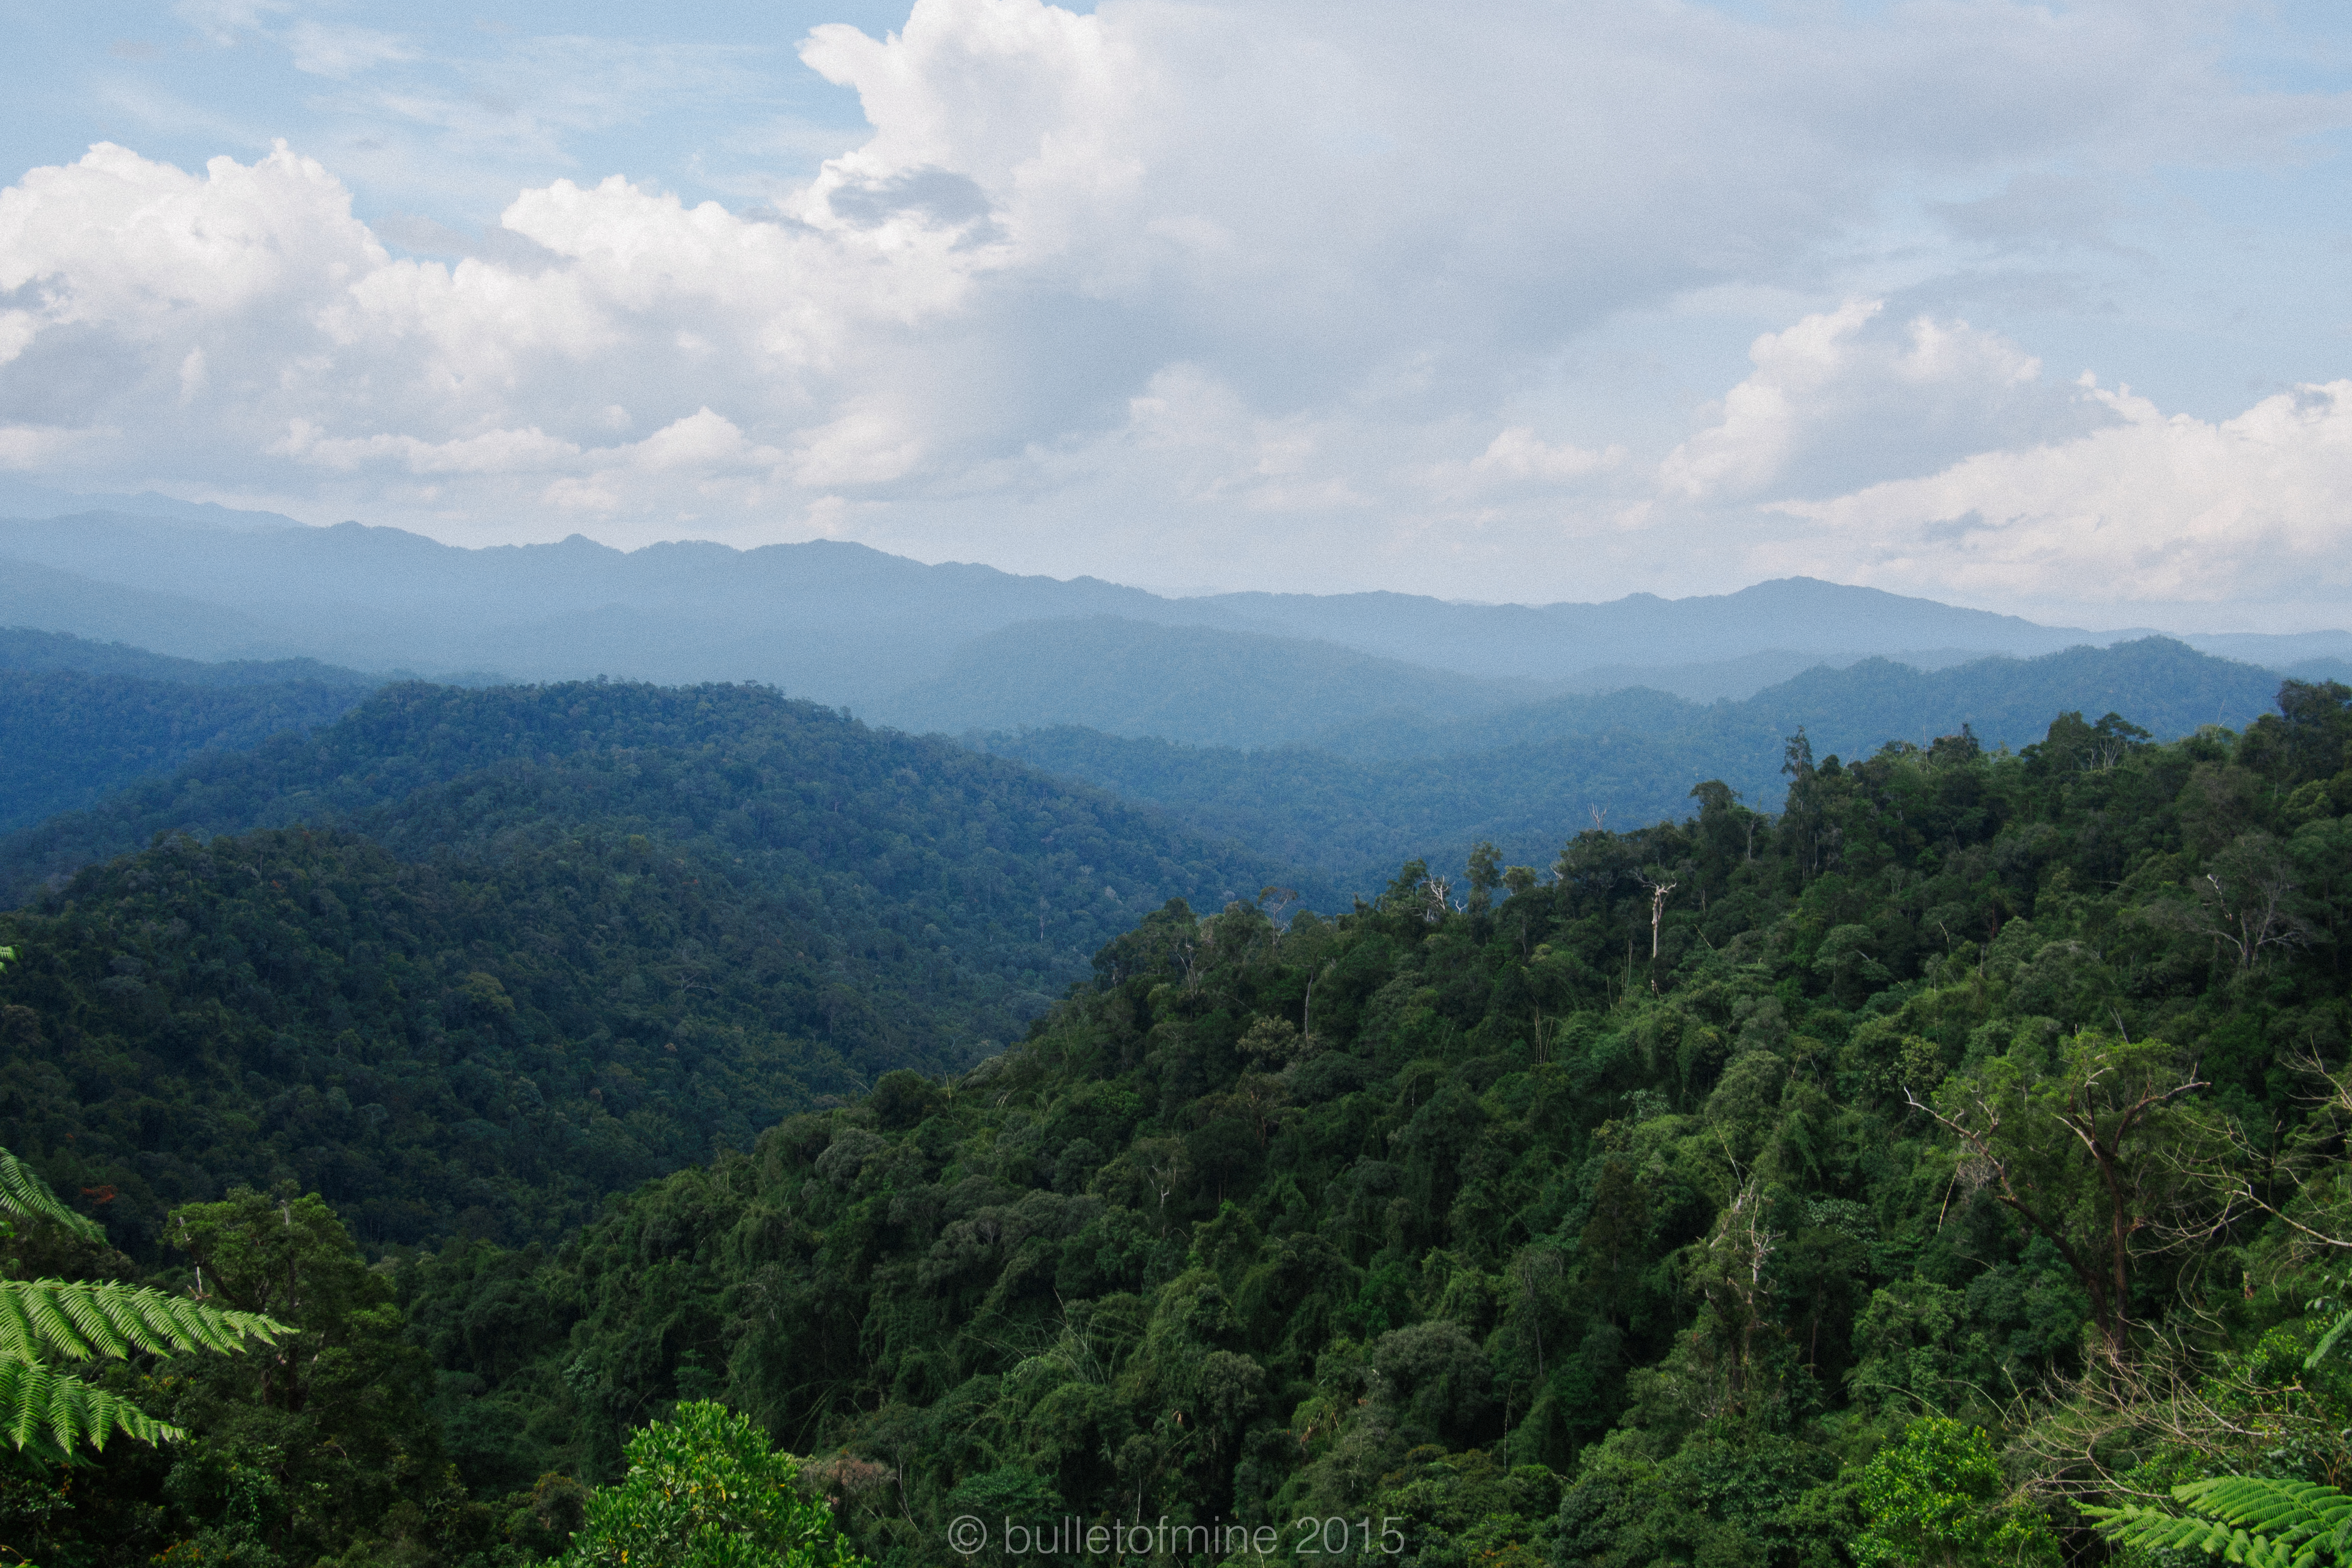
pixel 1344 809
pixel 1463 1210
pixel 24 648
pixel 80 720
pixel 68 737
pixel 1191 684
pixel 1626 1208
pixel 532 945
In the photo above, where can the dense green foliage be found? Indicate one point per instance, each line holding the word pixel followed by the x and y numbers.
pixel 707 1490
pixel 545 980
pixel 68 737
pixel 324 1446
pixel 1346 808
pixel 1937 1092
pixel 1632 1210
pixel 1937 1495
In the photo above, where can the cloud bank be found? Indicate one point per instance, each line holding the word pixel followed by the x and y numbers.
pixel 1288 296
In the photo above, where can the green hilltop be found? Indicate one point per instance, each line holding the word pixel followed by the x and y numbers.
pixel 1629 1207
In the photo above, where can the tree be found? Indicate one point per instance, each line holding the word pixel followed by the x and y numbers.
pixel 49 1413
pixel 335 1429
pixel 2065 1137
pixel 2246 902
pixel 1935 1496
pixel 706 1489
pixel 1485 876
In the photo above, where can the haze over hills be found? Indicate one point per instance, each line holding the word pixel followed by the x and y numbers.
pixel 78 720
pixel 847 625
pixel 1213 686
pixel 1349 807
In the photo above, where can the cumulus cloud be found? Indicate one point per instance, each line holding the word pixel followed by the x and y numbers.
pixel 1284 283
pixel 1839 400
pixel 2154 508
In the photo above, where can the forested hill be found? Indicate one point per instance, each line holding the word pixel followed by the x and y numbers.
pixel 80 720
pixel 471 959
pixel 1345 808
pixel 22 649
pixel 1635 1205
pixel 2167 687
pixel 69 739
pixel 1612 1213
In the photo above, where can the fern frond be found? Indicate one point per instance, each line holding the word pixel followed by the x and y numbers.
pixel 2303 1514
pixel 2248 1520
pixel 24 1194
pixel 46 1414
pixel 2327 1341
pixel 43 1319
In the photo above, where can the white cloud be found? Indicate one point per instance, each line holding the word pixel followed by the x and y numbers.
pixel 1838 400
pixel 1291 284
pixel 1517 454
pixel 221 21
pixel 2160 509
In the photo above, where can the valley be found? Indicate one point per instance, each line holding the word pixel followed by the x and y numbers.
pixel 1233 1077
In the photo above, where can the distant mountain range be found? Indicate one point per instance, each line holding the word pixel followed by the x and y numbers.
pixel 1361 798
pixel 950 647
pixel 1333 766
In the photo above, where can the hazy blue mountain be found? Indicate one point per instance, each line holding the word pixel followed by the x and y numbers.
pixel 932 646
pixel 1351 807
pixel 840 622
pixel 1716 681
pixel 2163 685
pixel 2274 650
pixel 1644 631
pixel 846 624
pixel 23 498
pixel 1180 683
pixel 68 737
pixel 23 649
pixel 36 596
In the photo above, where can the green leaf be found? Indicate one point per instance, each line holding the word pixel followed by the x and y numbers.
pixel 48 1414
pixel 2250 1520
pixel 2327 1341
pixel 25 1196
pixel 40 1319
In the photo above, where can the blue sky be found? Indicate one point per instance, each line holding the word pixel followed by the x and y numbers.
pixel 2038 308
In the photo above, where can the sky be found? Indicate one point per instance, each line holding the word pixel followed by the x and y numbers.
pixel 2038 308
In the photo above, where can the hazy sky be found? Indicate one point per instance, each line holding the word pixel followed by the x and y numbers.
pixel 2042 308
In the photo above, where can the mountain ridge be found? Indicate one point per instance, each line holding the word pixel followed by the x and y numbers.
pixel 846 623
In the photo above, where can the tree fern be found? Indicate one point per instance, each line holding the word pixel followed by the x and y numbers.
pixel 2248 1520
pixel 26 1196
pixel 43 1319
pixel 48 1412
pixel 2328 1340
